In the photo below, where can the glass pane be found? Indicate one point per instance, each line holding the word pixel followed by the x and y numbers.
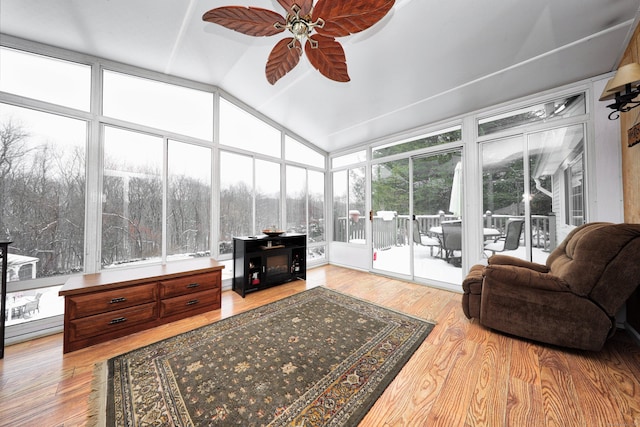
pixel 315 189
pixel 340 206
pixel 503 182
pixel 357 193
pixel 160 105
pixel 42 192
pixel 437 198
pixel 44 78
pixel 445 136
pixel 574 179
pixel 236 199
pixel 316 254
pixel 390 205
pixel 349 206
pixel 240 129
pixel 296 200
pixel 132 198
pixel 557 186
pixel 189 200
pixel 34 304
pixel 349 159
pixel 565 107
pixel 267 195
pixel 298 152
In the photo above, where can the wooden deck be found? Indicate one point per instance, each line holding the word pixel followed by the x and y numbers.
pixel 462 375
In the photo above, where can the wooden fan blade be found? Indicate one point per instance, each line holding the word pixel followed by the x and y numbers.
pixel 253 21
pixel 342 18
pixel 283 59
pixel 327 57
pixel 304 5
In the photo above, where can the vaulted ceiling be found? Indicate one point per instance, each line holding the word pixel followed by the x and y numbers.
pixel 426 61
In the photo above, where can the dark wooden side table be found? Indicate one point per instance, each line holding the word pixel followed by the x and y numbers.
pixel 4 246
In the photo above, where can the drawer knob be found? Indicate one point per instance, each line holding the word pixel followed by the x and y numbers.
pixel 118 320
pixel 116 300
pixel 192 302
pixel 193 285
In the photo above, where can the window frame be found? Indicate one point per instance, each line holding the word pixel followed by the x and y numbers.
pixel 95 158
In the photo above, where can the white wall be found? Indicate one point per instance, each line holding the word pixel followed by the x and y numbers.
pixel 605 185
pixel 350 255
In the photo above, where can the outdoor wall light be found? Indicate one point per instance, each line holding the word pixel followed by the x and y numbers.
pixel 623 88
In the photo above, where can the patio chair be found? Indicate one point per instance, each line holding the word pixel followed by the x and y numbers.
pixel 511 239
pixel 452 241
pixel 32 306
pixel 423 239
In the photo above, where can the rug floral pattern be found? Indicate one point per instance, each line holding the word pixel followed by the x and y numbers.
pixel 317 358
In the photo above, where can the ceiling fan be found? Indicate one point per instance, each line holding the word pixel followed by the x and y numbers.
pixel 316 26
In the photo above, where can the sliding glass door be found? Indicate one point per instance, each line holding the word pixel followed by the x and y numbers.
pixel 536 178
pixel 390 184
pixel 437 199
pixel 411 198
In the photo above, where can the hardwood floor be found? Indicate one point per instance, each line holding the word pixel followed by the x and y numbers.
pixel 462 375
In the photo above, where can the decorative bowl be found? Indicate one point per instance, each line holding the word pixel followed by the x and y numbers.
pixel 273 233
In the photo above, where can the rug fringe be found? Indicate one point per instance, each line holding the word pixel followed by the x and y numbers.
pixel 98 396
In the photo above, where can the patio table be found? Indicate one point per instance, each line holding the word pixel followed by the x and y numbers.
pixel 15 303
pixel 488 232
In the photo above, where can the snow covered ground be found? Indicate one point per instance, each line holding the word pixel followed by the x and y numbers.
pixel 397 260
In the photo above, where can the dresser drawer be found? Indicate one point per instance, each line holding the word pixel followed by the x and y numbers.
pixel 189 284
pixel 93 326
pixel 196 302
pixel 116 299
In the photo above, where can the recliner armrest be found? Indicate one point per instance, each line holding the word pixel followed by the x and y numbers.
pixel 524 277
pixel 517 262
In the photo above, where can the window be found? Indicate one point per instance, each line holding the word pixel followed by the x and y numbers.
pixel 440 137
pixel 316 232
pixel 267 191
pixel 565 107
pixel 239 194
pixel 296 200
pixel 305 203
pixel 46 79
pixel 236 199
pixel 349 206
pixel 160 105
pixel 188 200
pixel 523 177
pixel 349 159
pixel 42 200
pixel 131 197
pixel 297 152
pixel 574 189
pixel 243 130
pixel 42 192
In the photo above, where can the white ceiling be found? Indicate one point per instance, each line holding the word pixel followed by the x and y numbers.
pixel 426 61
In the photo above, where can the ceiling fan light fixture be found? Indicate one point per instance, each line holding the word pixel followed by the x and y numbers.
pixel 313 26
pixel 301 26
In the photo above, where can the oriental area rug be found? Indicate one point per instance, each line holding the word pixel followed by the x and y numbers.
pixel 317 358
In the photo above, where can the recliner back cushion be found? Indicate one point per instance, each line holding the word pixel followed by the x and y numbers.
pixel 584 257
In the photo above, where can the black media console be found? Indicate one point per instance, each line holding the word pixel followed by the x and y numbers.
pixel 264 261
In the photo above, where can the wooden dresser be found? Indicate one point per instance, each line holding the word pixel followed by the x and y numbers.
pixel 111 304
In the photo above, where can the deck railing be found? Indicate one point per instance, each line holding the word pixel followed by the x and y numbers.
pixel 388 232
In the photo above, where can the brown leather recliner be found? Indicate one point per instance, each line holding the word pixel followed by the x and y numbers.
pixel 572 300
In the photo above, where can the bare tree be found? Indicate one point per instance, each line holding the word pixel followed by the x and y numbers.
pixel 13 147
